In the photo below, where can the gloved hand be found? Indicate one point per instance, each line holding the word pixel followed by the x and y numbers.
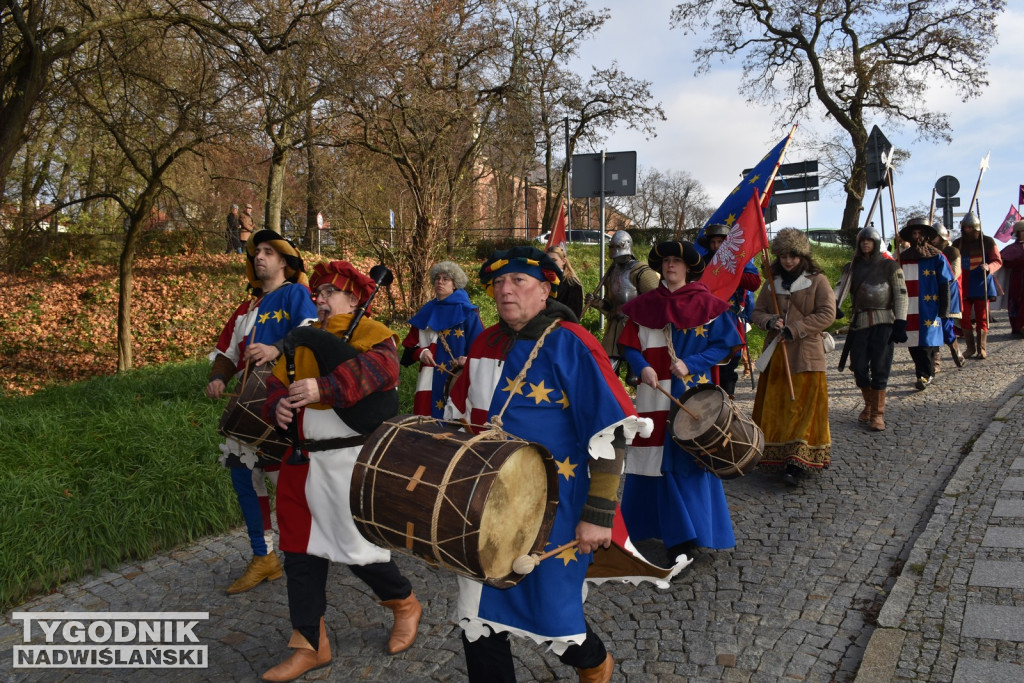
pixel 899 332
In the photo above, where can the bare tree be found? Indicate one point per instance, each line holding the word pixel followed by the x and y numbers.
pixel 673 204
pixel 854 59
pixel 429 76
pixel 549 34
pixel 159 96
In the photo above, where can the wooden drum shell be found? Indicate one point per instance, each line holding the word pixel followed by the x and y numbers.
pixel 471 504
pixel 721 439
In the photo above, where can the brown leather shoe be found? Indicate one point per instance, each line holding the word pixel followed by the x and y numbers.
pixel 865 415
pixel 303 657
pixel 602 673
pixel 407 620
pixel 878 414
pixel 262 567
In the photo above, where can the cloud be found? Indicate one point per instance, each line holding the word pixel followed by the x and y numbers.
pixel 713 133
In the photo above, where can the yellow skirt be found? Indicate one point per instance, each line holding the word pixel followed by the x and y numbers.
pixel 795 432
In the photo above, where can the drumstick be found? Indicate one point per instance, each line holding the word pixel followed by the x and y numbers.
pixel 676 401
pixel 524 564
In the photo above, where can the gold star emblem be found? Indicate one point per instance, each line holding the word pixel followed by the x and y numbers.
pixel 512 386
pixel 687 378
pixel 459 332
pixel 927 272
pixel 703 379
pixel 264 318
pixel 566 468
pixel 439 405
pixel 539 393
pixel 278 315
pixel 754 179
pixel 564 401
pixel 568 555
pixel 444 333
pixel 701 331
pixel 440 367
pixel 730 219
pixel 735 189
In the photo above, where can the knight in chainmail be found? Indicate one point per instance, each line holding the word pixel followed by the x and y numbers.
pixel 878 293
pixel 624 280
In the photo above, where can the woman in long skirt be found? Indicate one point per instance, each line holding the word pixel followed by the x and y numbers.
pixel 796 430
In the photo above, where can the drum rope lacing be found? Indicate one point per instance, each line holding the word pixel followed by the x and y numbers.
pixel 465 448
pixel 726 432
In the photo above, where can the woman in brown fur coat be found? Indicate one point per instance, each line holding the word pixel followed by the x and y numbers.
pixel 796 432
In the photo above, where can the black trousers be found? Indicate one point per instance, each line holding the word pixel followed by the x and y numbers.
pixel 307 588
pixel 489 659
pixel 924 360
pixel 871 356
pixel 727 375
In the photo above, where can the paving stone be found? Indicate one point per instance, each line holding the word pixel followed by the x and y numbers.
pixel 1004 537
pixel 978 671
pixel 998 622
pixel 998 574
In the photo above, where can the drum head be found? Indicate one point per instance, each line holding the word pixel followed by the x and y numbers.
pixel 514 511
pixel 705 402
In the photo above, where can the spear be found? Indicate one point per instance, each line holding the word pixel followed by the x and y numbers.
pixel 981 235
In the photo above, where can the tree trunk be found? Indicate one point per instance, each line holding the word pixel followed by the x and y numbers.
pixel 855 186
pixel 137 222
pixel 275 188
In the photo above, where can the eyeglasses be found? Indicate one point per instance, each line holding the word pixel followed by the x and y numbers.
pixel 325 293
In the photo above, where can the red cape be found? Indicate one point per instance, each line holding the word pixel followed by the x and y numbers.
pixel 691 305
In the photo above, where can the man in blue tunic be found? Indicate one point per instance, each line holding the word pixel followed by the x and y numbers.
pixel 544 379
pixel 928 277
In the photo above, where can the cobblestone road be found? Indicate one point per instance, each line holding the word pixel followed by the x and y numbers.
pixel 797 599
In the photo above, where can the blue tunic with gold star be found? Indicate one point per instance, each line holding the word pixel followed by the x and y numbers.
pixel 570 402
pixel 666 494
pixel 448 328
pixel 928 292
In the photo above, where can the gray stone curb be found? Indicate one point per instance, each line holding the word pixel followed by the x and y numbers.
pixel 883 651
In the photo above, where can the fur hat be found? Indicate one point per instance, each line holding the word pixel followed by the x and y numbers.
pixel 791 241
pixel 680 249
pixel 294 269
pixel 529 260
pixel 344 276
pixel 452 270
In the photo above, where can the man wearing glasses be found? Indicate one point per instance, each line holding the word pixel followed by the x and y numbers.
pixel 280 301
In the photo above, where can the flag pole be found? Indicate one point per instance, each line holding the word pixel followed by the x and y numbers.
pixel 775 171
pixel 892 206
pixel 766 266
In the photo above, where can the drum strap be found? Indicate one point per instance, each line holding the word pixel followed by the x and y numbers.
pixel 496 419
pixel 334 444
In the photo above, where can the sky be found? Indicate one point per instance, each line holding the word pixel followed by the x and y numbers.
pixel 713 133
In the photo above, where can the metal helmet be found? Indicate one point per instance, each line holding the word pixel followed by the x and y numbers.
pixel 621 244
pixel 868 233
pixel 918 223
pixel 942 230
pixel 970 221
pixel 713 230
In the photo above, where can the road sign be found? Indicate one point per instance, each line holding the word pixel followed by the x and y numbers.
pixel 619 174
pixel 795 197
pixel 319 220
pixel 947 186
pixel 878 149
